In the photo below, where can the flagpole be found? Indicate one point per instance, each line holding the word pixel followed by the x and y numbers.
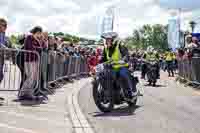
pixel 179 17
pixel 113 19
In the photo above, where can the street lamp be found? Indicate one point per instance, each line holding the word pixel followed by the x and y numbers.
pixel 192 25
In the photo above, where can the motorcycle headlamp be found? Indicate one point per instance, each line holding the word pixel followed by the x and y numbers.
pixel 99 68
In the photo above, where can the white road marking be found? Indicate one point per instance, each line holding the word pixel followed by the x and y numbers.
pixel 73 116
pixel 80 122
pixel 22 130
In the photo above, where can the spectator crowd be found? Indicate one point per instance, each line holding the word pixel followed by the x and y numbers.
pixel 40 48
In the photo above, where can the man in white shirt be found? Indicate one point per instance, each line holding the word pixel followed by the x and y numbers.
pixel 194 43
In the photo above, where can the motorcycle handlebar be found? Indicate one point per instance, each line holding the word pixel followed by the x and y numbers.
pixel 111 62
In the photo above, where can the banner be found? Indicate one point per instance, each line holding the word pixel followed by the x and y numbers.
pixel 108 21
pixel 174 33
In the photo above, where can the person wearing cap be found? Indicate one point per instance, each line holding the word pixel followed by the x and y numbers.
pixel 193 43
pixel 115 51
pixel 193 48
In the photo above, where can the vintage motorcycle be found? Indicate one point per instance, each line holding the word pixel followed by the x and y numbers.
pixel 107 90
pixel 152 76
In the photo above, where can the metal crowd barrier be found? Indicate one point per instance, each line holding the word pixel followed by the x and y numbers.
pixel 12 68
pixel 61 65
pixel 50 67
pixel 188 70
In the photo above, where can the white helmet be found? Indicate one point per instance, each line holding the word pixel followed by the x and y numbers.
pixel 150 49
pixel 109 35
pixel 155 51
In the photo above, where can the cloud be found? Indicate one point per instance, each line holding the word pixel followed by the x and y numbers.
pixel 54 15
pixel 82 17
pixel 128 15
pixel 89 26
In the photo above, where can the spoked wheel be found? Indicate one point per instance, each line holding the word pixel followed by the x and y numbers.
pixel 103 98
pixel 152 78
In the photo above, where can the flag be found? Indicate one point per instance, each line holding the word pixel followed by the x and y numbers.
pixel 108 21
pixel 174 33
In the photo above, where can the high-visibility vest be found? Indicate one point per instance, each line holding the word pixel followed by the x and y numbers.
pixel 115 58
pixel 151 57
pixel 170 56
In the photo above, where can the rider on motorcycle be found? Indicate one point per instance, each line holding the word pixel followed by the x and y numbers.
pixel 115 51
pixel 151 55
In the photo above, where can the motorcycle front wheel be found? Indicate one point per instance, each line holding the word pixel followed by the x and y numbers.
pixel 103 98
pixel 151 78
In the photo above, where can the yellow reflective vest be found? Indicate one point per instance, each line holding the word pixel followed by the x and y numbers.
pixel 115 58
pixel 152 57
pixel 169 56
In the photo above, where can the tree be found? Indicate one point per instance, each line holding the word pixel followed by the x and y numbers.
pixel 75 39
pixel 160 37
pixel 149 35
pixel 192 25
pixel 58 34
pixel 13 39
pixel 65 36
pixel 67 39
pixel 136 35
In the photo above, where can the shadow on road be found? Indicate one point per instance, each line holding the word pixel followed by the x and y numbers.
pixel 156 85
pixel 8 90
pixel 34 103
pixel 121 111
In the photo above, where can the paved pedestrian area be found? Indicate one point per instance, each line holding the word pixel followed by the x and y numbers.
pixel 36 117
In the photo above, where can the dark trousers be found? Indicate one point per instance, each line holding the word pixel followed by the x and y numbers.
pixel 126 80
pixel 20 64
pixel 170 68
pixel 145 70
pixel 1 72
pixel 23 76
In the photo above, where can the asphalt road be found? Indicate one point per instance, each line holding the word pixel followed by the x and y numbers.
pixel 167 108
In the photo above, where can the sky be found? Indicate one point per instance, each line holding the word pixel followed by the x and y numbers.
pixel 83 17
